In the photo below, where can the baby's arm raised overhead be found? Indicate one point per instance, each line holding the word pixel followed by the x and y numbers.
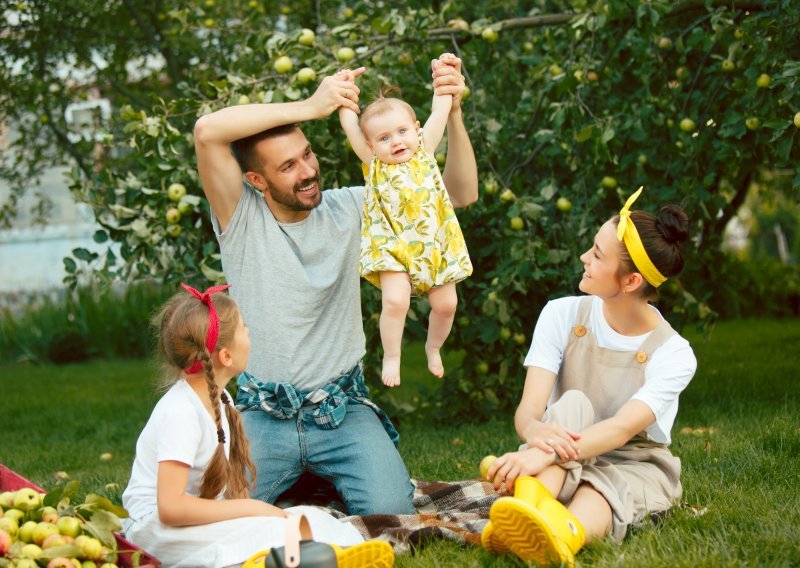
pixel 177 509
pixel 349 121
pixel 434 127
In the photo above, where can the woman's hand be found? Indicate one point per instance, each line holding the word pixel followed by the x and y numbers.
pixel 552 438
pixel 447 78
pixel 507 468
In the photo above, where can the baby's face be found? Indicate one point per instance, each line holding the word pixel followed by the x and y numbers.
pixel 392 135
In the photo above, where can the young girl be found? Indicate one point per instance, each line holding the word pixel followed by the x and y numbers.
pixel 604 375
pixel 411 242
pixel 188 495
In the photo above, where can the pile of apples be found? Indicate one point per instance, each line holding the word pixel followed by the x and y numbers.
pixel 33 534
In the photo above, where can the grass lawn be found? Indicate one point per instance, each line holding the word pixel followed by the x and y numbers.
pixel 744 477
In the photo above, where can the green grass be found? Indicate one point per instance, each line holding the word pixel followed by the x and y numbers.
pixel 746 475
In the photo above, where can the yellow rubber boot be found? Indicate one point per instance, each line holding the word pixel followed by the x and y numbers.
pixel 545 534
pixel 491 542
pixel 531 490
pixel 372 553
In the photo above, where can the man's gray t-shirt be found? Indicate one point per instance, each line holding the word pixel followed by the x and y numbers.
pixel 297 286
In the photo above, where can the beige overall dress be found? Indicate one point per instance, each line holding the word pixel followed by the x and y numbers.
pixel 593 383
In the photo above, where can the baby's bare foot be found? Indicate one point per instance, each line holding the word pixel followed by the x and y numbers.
pixel 391 371
pixel 435 365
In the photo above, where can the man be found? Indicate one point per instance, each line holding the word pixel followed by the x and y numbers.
pixel 291 258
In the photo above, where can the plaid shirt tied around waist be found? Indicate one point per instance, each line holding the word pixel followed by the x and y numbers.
pixel 283 401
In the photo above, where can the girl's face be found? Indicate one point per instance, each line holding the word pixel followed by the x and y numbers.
pixel 392 135
pixel 601 264
pixel 240 349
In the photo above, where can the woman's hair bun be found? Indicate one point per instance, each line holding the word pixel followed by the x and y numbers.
pixel 673 224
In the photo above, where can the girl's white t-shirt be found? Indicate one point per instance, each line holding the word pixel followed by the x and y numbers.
pixel 666 374
pixel 179 429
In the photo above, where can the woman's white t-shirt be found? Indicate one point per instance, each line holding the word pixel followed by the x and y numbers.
pixel 179 429
pixel 666 374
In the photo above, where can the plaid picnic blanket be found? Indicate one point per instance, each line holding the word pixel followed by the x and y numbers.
pixel 452 510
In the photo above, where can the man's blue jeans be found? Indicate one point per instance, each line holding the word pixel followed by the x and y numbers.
pixel 357 457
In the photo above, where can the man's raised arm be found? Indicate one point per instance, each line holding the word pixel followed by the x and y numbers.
pixel 219 172
pixel 460 174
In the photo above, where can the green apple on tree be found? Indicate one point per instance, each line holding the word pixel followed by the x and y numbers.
pixel 459 24
pixel 763 81
pixel 797 119
pixel 505 333
pixel 209 22
pixel 405 59
pixel 753 123
pixel 243 100
pixel 642 159
pixel 306 75
pixel 176 191
pixel 173 216
pixel 563 204
pixel 507 196
pixel 555 70
pixel 491 186
pixel 345 54
pixel 174 230
pixel 283 64
pixel 682 73
pixel 592 76
pixel 482 367
pixel 728 65
pixel 687 125
pixel 664 43
pixel 467 93
pixel 489 34
pixel 307 37
pixel 608 182
pixel 516 223
pixel 519 338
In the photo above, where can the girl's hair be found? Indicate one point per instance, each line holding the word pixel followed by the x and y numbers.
pixel 662 238
pixel 384 103
pixel 182 326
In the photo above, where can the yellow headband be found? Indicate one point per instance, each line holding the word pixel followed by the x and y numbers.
pixel 627 230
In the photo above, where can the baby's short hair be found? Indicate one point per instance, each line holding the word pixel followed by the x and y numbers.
pixel 385 103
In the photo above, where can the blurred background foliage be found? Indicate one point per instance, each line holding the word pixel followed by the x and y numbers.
pixel 572 106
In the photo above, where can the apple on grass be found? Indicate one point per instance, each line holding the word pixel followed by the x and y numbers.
pixel 42 531
pixel 9 525
pixel 31 551
pixel 69 526
pixel 5 542
pixel 27 499
pixel 485 464
pixel 25 533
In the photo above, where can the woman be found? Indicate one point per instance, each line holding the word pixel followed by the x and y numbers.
pixel 600 397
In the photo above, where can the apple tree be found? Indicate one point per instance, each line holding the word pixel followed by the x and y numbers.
pixel 572 105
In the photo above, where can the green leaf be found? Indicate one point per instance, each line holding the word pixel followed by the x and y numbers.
pixel 84 254
pixel 100 236
pixel 64 551
pixel 98 503
pixel 584 134
pixel 69 265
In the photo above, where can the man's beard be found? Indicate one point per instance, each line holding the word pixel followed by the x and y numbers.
pixel 290 199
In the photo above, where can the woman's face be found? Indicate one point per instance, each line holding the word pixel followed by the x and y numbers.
pixel 601 264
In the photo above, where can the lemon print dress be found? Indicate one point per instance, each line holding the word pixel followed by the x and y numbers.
pixel 410 226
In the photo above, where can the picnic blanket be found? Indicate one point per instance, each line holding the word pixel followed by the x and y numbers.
pixel 452 510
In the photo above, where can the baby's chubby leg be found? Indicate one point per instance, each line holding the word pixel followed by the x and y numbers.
pixel 395 299
pixel 443 301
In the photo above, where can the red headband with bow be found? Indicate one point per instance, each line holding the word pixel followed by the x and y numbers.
pixel 213 321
